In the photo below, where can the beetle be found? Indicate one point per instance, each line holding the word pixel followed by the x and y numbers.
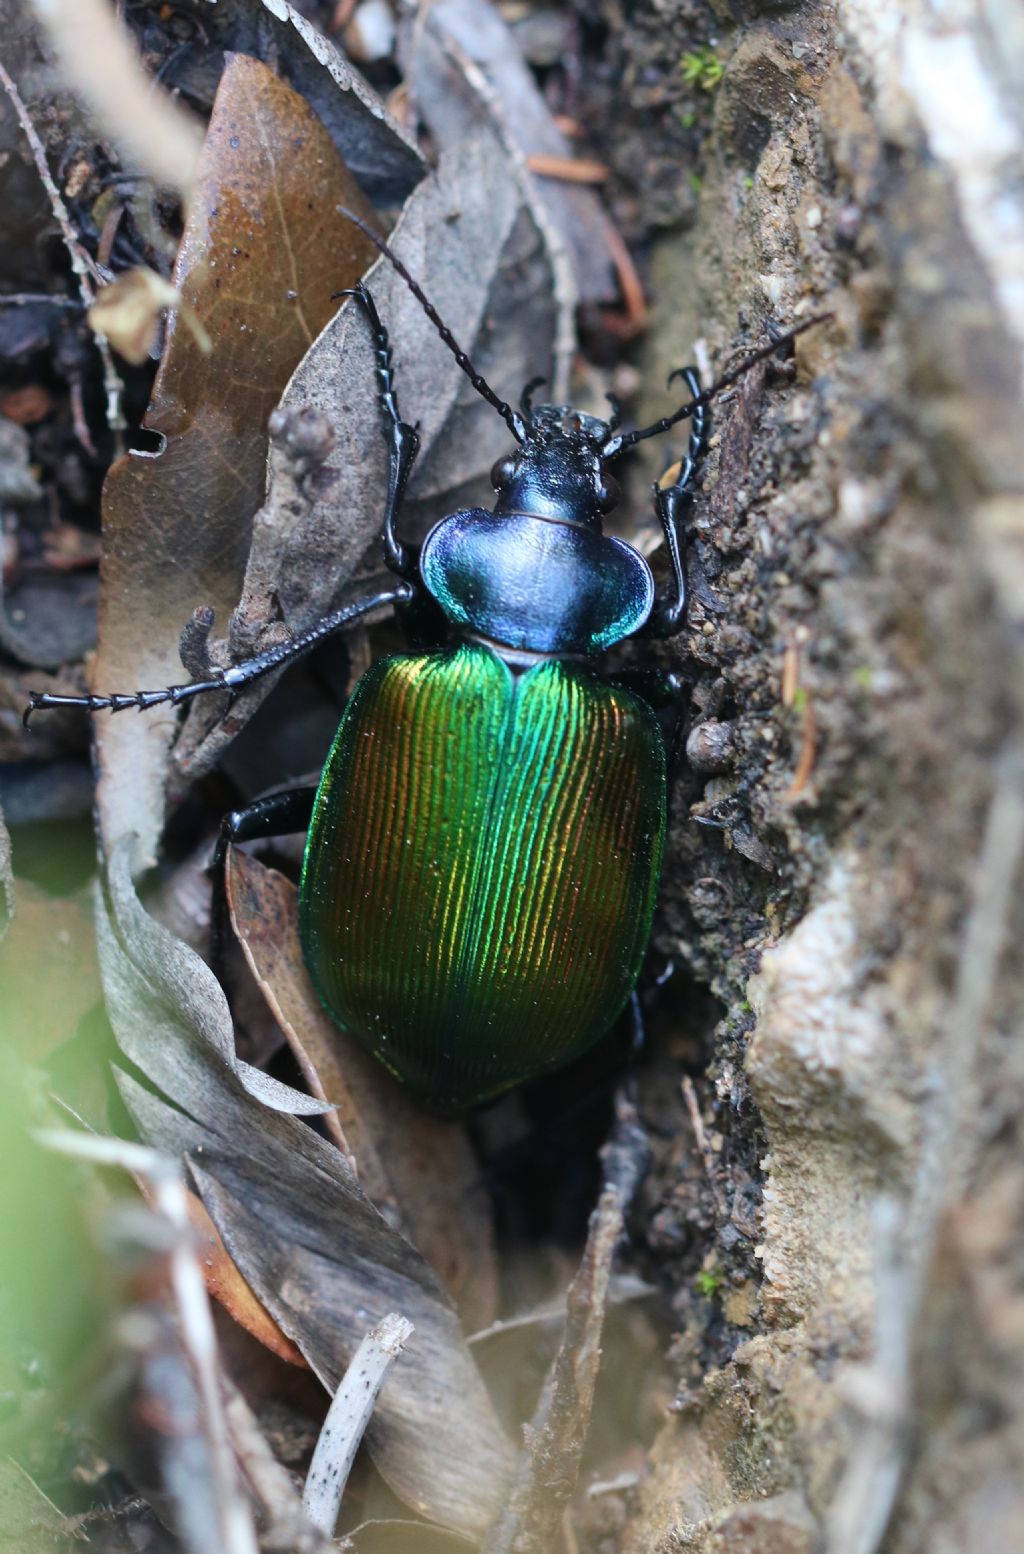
pixel 484 846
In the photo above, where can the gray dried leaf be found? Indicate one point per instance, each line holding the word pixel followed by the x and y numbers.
pixel 167 1008
pixel 465 69
pixel 418 1169
pixel 298 1226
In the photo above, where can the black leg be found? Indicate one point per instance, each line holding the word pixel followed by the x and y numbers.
pixel 227 679
pixel 672 503
pixel 278 814
pixel 402 440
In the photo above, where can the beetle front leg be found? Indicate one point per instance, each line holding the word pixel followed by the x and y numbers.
pixel 672 504
pixel 232 679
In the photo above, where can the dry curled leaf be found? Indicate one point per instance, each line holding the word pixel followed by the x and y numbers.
pixel 262 252
pixel 418 1169
pixel 128 313
pixel 303 1234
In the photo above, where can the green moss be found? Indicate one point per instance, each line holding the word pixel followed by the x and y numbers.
pixel 701 68
pixel 708 1283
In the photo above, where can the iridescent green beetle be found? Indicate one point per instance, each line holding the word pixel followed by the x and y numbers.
pixel 484 846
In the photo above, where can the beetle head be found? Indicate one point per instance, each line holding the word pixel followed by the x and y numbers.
pixel 559 469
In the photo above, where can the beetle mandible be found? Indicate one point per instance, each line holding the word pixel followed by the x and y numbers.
pixel 484 846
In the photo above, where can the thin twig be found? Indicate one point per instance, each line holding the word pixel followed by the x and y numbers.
pixel 83 266
pixel 546 1474
pixel 567 169
pixel 347 1418
pixel 24 299
pixel 880 1392
pixel 697 1124
pixel 102 66
pixel 237 1532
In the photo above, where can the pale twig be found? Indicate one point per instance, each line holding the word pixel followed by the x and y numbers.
pixel 880 1394
pixel 237 1534
pixel 24 299
pixel 102 65
pixel 905 1244
pixel 347 1418
pixel 697 1124
pixel 84 269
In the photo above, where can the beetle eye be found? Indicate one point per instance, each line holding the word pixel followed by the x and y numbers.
pixel 502 473
pixel 609 493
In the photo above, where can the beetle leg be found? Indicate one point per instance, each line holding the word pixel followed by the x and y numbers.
pixel 226 679
pixel 402 440
pixel 672 504
pixel 277 814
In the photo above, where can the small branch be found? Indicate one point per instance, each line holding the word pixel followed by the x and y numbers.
pixel 548 1468
pixel 24 299
pixel 81 263
pixel 880 1392
pixel 347 1418
pixel 83 267
pixel 237 1532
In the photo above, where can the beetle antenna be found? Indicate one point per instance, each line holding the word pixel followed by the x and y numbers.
pixel 616 444
pixel 526 398
pixel 514 422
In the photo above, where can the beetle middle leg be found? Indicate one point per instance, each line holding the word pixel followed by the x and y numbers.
pixel 277 814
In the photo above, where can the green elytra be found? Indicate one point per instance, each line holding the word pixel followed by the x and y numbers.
pixel 481 868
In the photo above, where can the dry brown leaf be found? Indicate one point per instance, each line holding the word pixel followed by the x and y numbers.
pixel 263 250
pixel 128 312
pixel 412 1165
